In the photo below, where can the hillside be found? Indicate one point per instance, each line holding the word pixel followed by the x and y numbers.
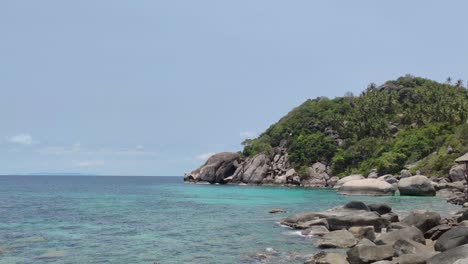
pixel 409 122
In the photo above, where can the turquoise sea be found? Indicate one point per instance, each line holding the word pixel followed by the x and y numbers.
pixel 50 219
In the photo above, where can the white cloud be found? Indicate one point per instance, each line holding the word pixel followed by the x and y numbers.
pixel 248 134
pixel 22 139
pixel 89 163
pixel 205 156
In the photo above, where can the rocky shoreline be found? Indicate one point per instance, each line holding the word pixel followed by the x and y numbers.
pixel 275 169
pixel 372 233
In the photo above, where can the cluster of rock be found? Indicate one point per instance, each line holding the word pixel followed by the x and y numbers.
pixel 374 234
pixel 275 169
pixel 231 168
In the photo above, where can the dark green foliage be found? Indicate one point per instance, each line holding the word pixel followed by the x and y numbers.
pixel 309 148
pixel 428 116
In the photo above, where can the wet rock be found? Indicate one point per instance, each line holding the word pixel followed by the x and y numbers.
pixel 453 238
pixel 416 186
pixel 422 219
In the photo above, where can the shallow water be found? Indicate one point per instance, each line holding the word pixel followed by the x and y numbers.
pixel 159 219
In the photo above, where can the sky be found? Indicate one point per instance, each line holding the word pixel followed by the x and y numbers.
pixel 152 87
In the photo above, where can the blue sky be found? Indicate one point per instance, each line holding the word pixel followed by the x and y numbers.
pixel 152 87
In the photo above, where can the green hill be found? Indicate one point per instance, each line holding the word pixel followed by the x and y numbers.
pixel 409 122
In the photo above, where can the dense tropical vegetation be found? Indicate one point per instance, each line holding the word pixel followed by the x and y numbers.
pixel 412 121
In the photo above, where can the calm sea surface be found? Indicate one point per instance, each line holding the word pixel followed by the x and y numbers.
pixel 158 219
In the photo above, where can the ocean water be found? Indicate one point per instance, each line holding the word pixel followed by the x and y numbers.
pixel 160 220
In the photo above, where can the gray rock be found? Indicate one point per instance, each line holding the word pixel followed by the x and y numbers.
pixel 450 256
pixel 216 168
pixel 333 181
pixel 339 219
pixel 369 254
pixel 461 261
pixel 315 230
pixel 422 219
pixel 408 233
pixel 347 179
pixel 380 208
pixel 373 174
pixel 435 232
pixel 367 187
pixel 391 217
pixel 254 169
pixel 457 173
pixel 403 247
pixel 453 238
pixel 417 258
pixel 305 225
pixel 327 258
pixel 405 174
pixel 388 178
pixel 361 232
pixel 416 186
pixel 337 239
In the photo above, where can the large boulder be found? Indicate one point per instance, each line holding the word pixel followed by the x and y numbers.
pixel 453 238
pixel 253 170
pixel 347 179
pixel 408 233
pixel 366 254
pixel 422 219
pixel 457 173
pixel 450 256
pixel 416 186
pixel 337 239
pixel 405 173
pixel 339 219
pixel 317 175
pixel 216 168
pixel 403 247
pixel 367 187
